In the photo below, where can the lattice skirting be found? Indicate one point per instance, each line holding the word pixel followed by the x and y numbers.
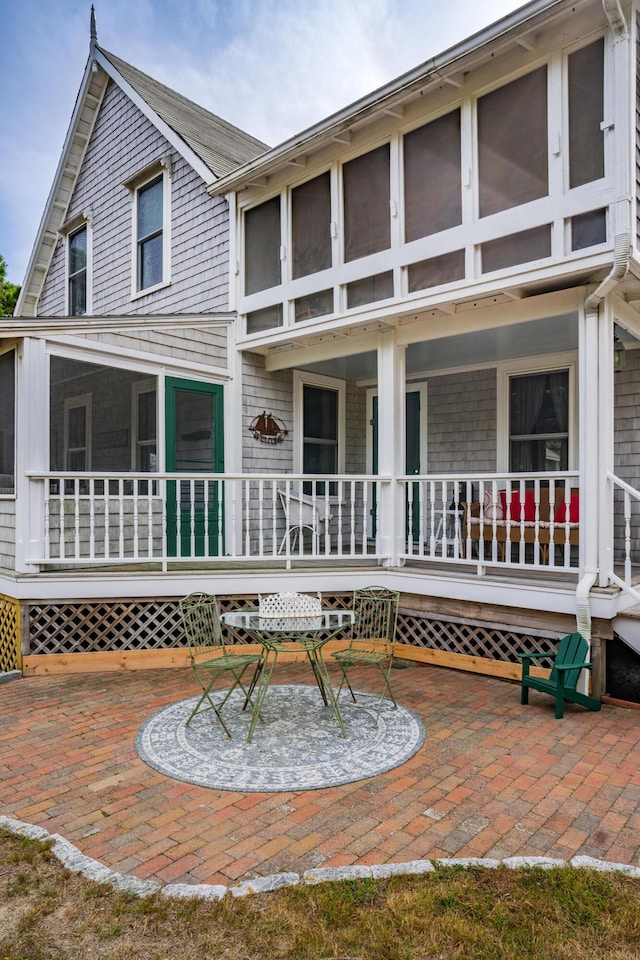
pixel 97 626
pixel 9 634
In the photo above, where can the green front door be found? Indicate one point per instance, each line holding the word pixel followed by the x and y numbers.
pixel 194 444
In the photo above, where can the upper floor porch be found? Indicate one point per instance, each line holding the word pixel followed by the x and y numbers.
pixel 496 170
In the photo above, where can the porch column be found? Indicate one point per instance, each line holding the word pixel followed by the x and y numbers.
pixel 605 460
pixel 233 446
pixel 391 446
pixel 589 438
pixel 32 450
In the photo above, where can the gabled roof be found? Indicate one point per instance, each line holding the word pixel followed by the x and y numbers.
pixel 211 146
pixel 219 144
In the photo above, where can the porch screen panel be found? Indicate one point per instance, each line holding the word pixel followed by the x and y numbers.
pixel 586 113
pixel 103 411
pixel 311 226
pixel 7 423
pixel 262 246
pixel 512 143
pixel 194 439
pixel 539 422
pixel 432 177
pixel 367 218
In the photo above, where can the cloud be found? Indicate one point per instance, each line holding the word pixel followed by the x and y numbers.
pixel 272 67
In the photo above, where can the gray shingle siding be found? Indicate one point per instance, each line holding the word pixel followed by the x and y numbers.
pixel 7 535
pixel 123 143
pixel 461 432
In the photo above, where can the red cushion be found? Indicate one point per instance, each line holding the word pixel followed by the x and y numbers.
pixel 574 510
pixel 514 505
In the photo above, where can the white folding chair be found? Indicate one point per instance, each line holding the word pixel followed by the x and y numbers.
pixel 301 513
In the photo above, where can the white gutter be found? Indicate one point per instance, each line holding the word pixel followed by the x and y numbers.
pixel 620 265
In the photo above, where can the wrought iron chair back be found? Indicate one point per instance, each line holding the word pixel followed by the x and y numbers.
pixel 211 658
pixel 372 639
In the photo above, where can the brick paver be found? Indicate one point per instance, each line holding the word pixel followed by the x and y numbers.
pixel 493 779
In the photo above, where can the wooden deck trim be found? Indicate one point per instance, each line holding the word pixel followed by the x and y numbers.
pixel 177 657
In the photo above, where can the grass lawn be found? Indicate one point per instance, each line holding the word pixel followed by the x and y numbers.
pixel 48 913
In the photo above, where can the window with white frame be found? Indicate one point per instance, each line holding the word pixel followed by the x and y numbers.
pixel 77 433
pixel 319 426
pixel 7 423
pixel 539 421
pixel 149 233
pixel 150 192
pixel 77 271
pixel 144 425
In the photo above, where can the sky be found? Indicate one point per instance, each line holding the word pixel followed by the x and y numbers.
pixel 271 67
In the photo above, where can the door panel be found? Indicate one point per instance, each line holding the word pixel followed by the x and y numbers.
pixel 194 439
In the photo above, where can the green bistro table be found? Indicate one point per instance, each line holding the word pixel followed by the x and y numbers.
pixel 290 635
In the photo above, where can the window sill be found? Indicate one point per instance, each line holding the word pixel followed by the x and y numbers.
pixel 147 290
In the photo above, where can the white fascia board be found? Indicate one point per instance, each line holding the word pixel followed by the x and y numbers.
pixel 167 132
pixel 59 326
pixel 42 252
pixel 343 119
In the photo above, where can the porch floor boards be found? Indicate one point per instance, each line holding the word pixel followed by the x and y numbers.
pixel 491 780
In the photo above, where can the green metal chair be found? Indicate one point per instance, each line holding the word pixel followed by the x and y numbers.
pixel 211 658
pixel 372 639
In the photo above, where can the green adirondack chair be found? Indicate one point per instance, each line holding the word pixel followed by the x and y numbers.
pixel 568 663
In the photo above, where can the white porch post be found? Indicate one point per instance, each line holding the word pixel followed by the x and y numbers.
pixel 605 461
pixel 32 446
pixel 589 438
pixel 391 445
pixel 233 446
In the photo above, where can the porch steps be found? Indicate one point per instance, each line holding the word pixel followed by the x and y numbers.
pixel 627 627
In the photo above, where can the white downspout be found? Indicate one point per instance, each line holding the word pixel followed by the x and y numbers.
pixel 621 258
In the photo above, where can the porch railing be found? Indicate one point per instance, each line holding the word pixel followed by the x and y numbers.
pixel 523 520
pixel 624 566
pixel 515 520
pixel 107 518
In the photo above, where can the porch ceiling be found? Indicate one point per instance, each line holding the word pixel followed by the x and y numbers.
pixel 530 339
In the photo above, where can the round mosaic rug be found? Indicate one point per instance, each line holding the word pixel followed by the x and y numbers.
pixel 298 747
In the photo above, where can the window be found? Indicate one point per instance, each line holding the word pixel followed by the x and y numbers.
pixel 319 427
pixel 432 178
pixel 539 422
pixel 311 226
pixel 77 433
pixel 262 242
pixel 367 223
pixel 77 272
pixel 586 112
pixel 144 430
pixel 150 229
pixel 512 143
pixel 7 423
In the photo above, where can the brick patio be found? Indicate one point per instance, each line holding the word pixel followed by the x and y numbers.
pixel 493 779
